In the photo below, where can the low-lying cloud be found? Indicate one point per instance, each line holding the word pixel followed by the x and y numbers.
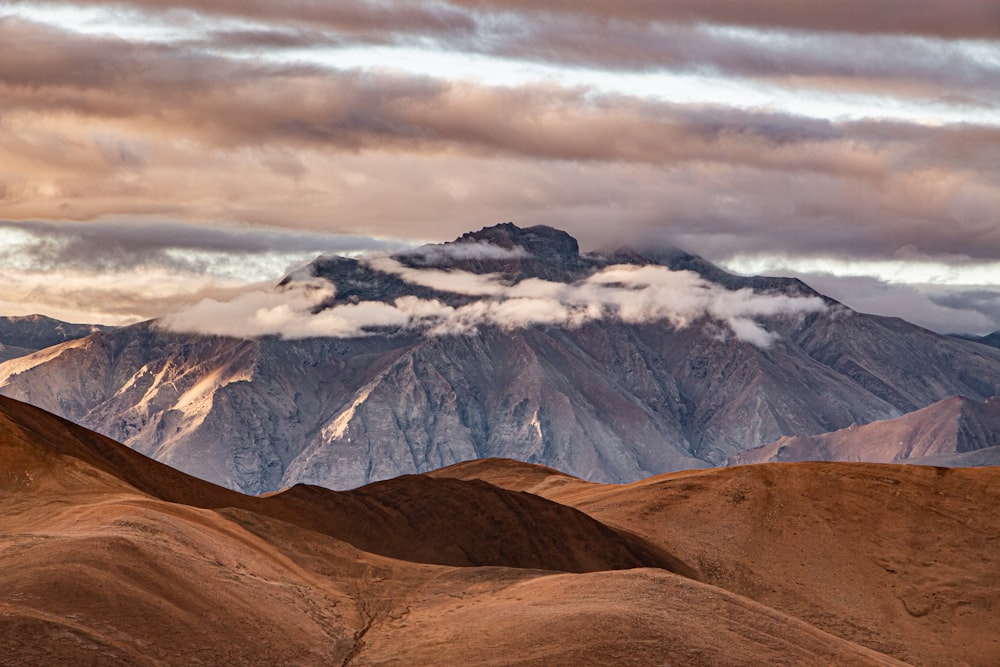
pixel 631 294
pixel 941 308
pixel 434 253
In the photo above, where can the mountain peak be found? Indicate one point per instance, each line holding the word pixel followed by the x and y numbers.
pixel 541 241
pixel 514 254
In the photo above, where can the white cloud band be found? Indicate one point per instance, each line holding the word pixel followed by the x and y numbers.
pixel 632 294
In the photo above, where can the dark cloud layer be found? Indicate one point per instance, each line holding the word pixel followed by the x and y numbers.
pixel 220 100
pixel 361 18
pixel 204 128
pixel 960 18
pixel 984 302
pixel 904 65
pixel 972 19
pixel 755 177
pixel 625 36
pixel 115 245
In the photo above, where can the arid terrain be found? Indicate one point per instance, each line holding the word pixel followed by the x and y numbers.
pixel 107 557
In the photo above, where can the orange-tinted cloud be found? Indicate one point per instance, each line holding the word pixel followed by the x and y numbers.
pixel 976 19
pixel 92 127
pixel 229 103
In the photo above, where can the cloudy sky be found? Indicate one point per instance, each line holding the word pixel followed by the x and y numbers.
pixel 156 153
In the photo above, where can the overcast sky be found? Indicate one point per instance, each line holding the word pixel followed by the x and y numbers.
pixel 155 153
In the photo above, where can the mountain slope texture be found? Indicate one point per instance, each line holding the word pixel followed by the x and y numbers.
pixel 111 558
pixel 686 373
pixel 20 336
pixel 953 432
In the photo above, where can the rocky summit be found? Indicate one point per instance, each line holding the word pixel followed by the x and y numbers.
pixel 611 366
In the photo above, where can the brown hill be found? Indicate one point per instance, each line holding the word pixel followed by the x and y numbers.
pixel 443 521
pixel 454 522
pixel 954 432
pixel 901 559
pixel 97 567
pixel 633 618
pixel 515 475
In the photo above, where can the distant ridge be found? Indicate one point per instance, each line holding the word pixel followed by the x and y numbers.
pixel 955 432
pixel 992 339
pixel 22 335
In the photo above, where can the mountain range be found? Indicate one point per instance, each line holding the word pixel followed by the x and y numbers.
pixel 991 339
pixel 507 342
pixel 111 558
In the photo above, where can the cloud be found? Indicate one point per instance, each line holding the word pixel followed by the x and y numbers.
pixel 115 297
pixel 285 311
pixel 632 294
pixel 217 101
pixel 880 62
pixel 313 144
pixel 906 66
pixel 107 245
pixel 361 19
pixel 200 121
pixel 403 153
pixel 963 18
pixel 123 271
pixel 974 19
pixel 438 253
pixel 455 282
pixel 944 309
pixel 985 302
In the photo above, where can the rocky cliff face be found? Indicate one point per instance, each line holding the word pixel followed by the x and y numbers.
pixel 608 400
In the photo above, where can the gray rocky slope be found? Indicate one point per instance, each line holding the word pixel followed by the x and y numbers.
pixel 22 335
pixel 991 339
pixel 607 401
